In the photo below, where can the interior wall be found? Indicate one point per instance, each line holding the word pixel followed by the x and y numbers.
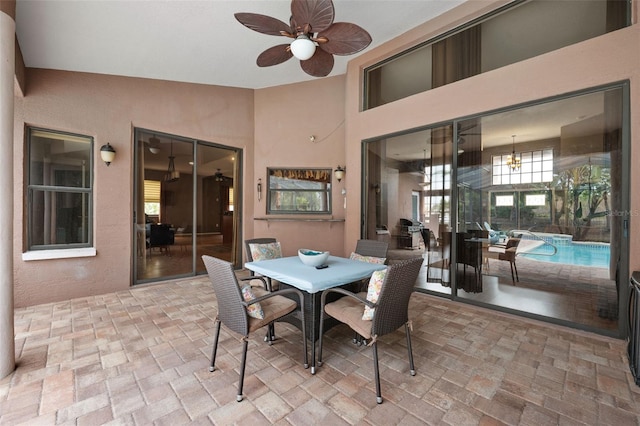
pixel 108 108
pixel 286 117
pixel 606 59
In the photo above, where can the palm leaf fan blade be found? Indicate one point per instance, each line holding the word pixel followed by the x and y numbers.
pixel 263 24
pixel 274 55
pixel 345 39
pixel 317 13
pixel 319 65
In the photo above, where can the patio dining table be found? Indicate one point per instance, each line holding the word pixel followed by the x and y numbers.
pixel 290 271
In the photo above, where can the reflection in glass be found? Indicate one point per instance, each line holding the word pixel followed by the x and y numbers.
pixel 541 239
pixel 175 178
pixel 60 190
pixel 517 32
pixel 299 191
pixel 555 208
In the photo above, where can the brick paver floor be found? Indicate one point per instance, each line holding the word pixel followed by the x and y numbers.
pixel 140 357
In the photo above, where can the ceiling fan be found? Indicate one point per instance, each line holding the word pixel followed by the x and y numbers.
pixel 465 131
pixel 310 25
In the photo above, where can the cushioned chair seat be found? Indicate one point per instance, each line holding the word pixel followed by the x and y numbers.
pixel 273 308
pixel 349 311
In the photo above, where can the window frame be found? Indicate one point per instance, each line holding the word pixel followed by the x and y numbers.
pixel 31 189
pixel 501 171
pixel 325 193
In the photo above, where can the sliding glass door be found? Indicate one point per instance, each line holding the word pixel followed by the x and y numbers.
pixel 184 205
pixel 522 210
pixel 541 189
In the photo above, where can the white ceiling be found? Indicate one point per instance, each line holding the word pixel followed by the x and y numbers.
pixel 202 42
pixel 189 41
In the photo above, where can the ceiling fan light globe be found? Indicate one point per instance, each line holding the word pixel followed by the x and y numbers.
pixel 154 150
pixel 303 48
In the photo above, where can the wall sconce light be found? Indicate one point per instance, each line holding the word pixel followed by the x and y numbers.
pixel 339 172
pixel 107 153
pixel 259 188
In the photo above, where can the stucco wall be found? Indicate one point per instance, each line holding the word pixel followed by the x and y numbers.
pixel 281 119
pixel 285 118
pixel 108 108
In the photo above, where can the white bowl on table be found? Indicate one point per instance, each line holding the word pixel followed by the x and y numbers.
pixel 313 257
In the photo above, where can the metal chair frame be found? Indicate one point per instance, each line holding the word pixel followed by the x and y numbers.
pixel 391 310
pixel 233 314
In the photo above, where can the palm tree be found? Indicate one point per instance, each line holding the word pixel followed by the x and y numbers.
pixel 589 185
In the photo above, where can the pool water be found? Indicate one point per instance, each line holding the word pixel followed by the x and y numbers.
pixel 581 254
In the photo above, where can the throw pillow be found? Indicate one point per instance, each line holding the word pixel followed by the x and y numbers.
pixel 368 259
pixel 254 310
pixel 265 251
pixel 373 292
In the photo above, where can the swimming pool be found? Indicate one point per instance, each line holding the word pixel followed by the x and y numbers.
pixel 572 253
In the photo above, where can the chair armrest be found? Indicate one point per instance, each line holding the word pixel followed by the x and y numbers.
pixel 255 277
pixel 501 245
pixel 277 293
pixel 344 293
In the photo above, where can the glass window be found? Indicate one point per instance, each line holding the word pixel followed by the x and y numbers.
pixel 558 206
pixel 512 34
pixel 152 198
pixel 59 190
pixel 504 200
pixel 299 191
pixel 531 168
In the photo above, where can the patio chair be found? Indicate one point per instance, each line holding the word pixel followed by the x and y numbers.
pixel 391 311
pixel 233 313
pixel 372 251
pixel 247 245
pixel 369 248
pixel 510 253
pixel 268 251
pixel 442 262
pixel 470 254
pixel 372 248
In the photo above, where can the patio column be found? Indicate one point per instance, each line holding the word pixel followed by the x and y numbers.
pixel 7 75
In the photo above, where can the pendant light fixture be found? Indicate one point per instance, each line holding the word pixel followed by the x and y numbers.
pixel 513 160
pixel 172 174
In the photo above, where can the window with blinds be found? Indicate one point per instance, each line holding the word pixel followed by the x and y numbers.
pixel 152 197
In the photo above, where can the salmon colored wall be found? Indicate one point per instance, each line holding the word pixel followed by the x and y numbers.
pixel 108 108
pixel 281 119
pixel 285 118
pixel 610 58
